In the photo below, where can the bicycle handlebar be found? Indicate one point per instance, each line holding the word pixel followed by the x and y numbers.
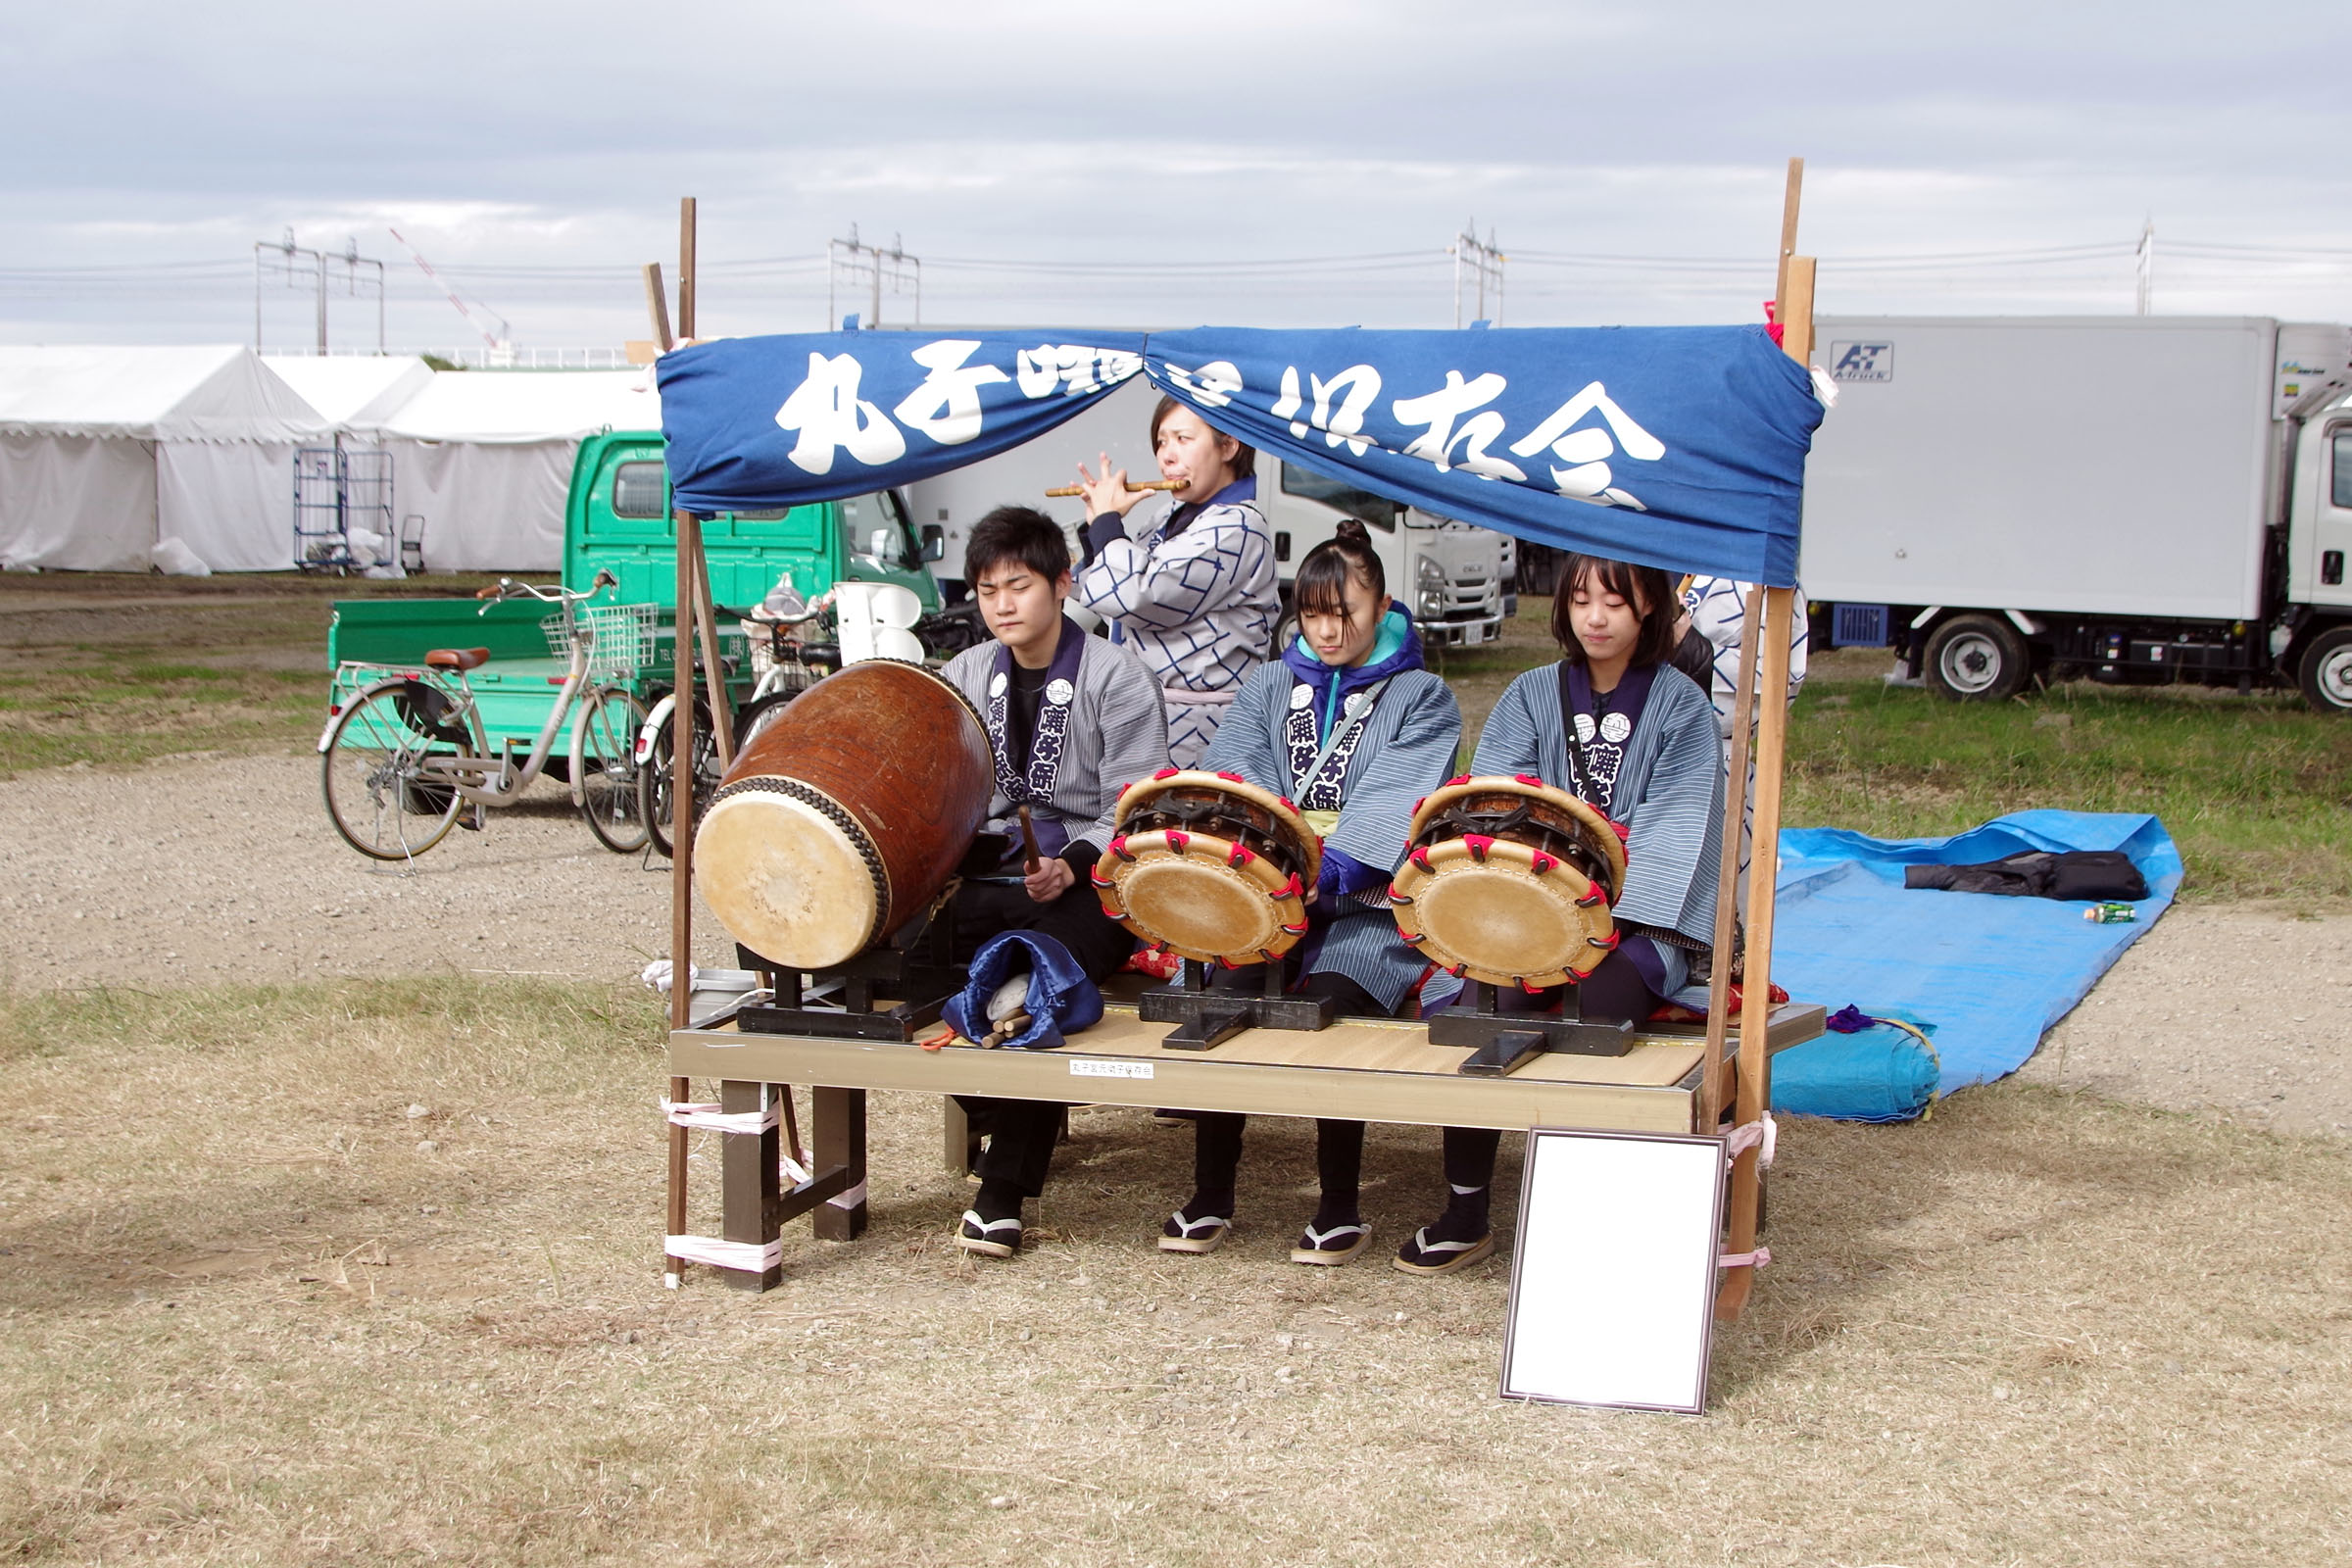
pixel 507 588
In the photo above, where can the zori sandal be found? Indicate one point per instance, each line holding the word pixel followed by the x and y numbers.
pixel 1203 1235
pixel 1421 1255
pixel 990 1238
pixel 1332 1248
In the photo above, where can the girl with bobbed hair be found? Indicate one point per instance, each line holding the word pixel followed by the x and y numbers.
pixel 1616 724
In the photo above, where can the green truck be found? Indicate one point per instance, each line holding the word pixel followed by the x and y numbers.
pixel 618 520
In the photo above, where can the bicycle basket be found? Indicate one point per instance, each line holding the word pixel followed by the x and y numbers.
pixel 620 638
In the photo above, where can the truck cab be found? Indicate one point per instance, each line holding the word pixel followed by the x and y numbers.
pixel 620 520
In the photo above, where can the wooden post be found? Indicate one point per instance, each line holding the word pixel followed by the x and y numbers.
pixel 1727 887
pixel 1788 205
pixel 681 761
pixel 657 305
pixel 1794 311
pixel 686 286
pixel 749 1182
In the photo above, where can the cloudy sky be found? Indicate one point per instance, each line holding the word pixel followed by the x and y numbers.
pixel 1109 164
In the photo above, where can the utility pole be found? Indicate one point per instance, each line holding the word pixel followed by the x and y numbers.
pixel 280 256
pixel 2146 302
pixel 1484 263
pixel 868 268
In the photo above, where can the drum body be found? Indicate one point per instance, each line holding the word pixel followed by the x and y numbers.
pixel 846 814
pixel 1510 881
pixel 1210 867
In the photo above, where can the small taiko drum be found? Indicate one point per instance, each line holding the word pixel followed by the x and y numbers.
pixel 1210 867
pixel 841 819
pixel 1510 881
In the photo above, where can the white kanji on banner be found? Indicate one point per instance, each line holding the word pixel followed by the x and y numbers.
pixel 947 406
pixel 1439 409
pixel 1587 451
pixel 829 416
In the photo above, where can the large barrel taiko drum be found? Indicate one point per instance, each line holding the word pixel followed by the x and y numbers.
pixel 846 816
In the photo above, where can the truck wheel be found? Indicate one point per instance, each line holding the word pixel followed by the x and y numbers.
pixel 1286 632
pixel 1977 658
pixel 2326 671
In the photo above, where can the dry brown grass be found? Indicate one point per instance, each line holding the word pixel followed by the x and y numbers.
pixel 249 1318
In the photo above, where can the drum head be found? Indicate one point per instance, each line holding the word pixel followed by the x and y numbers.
pixel 1506 927
pixel 1493 792
pixel 1202 908
pixel 785 879
pixel 1279 820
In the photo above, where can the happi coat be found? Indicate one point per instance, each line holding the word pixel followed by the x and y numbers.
pixel 1196 598
pixel 1364 745
pixel 1100 727
pixel 1668 792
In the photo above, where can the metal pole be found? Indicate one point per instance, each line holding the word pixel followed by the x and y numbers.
pixel 322 255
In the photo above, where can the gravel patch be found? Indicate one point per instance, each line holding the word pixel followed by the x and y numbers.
pixel 207 870
pixel 211 870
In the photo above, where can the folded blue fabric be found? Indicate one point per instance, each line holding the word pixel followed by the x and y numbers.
pixel 1865 1070
pixel 1061 999
pixel 1990 974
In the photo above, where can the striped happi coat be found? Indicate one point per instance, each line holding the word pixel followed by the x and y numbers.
pixel 1198 609
pixel 1116 735
pixel 1669 791
pixel 1408 749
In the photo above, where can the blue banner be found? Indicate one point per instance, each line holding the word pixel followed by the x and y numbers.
pixel 1677 447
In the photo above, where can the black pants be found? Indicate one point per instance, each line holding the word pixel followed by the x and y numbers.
pixel 1021 1132
pixel 1613 992
pixel 1339 1145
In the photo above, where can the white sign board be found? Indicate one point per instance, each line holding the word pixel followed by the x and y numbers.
pixel 1613 1283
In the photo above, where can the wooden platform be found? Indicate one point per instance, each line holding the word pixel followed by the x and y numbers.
pixel 1357 1069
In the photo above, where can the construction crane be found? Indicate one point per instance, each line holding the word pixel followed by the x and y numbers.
pixel 501 342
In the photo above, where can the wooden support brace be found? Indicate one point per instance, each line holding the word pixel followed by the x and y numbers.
pixel 1727 888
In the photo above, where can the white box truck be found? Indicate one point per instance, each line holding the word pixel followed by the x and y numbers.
pixel 2129 497
pixel 1449 574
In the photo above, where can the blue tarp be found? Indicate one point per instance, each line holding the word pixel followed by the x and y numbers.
pixel 1679 447
pixel 1988 973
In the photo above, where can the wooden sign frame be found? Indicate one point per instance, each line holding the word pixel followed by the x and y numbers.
pixel 1536 1326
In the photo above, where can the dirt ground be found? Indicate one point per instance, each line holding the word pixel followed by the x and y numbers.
pixel 222 869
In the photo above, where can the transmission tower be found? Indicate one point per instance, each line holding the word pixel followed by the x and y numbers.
pixel 1483 264
pixel 871 268
pixel 316 267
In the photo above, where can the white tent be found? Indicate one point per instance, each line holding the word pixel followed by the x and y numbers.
pixel 353 391
pixel 485 457
pixel 105 451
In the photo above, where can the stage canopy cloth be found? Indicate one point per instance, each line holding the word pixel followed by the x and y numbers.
pixel 1679 447
pixel 1985 974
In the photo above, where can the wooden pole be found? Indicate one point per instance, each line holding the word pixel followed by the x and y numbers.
pixel 1788 205
pixel 681 761
pixel 1727 887
pixel 657 305
pixel 686 289
pixel 1794 311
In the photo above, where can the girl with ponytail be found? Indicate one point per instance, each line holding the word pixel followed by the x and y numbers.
pixel 1351 727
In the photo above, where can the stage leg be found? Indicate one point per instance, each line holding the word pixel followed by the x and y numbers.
pixel 840 1116
pixel 748 1183
pixel 957 1149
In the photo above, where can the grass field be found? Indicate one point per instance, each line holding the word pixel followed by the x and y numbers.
pixel 368 1273
pixel 2256 789
pixel 119 668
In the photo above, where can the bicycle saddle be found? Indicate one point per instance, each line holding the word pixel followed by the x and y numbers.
pixel 457 658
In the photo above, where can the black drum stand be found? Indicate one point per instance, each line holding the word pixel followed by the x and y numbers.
pixel 1504 1041
pixel 1209 1018
pixel 914 963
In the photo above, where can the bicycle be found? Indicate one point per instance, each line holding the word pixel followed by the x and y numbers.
pixel 783 667
pixel 405 755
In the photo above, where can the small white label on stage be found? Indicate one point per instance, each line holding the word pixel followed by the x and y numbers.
pixel 1109 1069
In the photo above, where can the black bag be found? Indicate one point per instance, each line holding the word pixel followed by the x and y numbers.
pixel 2074 875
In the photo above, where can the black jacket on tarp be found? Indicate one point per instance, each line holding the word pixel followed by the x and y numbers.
pixel 2039 875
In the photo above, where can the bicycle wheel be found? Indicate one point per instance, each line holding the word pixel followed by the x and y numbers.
pixel 378 793
pixel 653 778
pixel 603 767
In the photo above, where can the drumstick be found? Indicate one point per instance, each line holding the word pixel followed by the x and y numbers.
pixel 1133 486
pixel 1029 843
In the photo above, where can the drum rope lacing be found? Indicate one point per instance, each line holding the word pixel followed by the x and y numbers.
pixel 850 827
